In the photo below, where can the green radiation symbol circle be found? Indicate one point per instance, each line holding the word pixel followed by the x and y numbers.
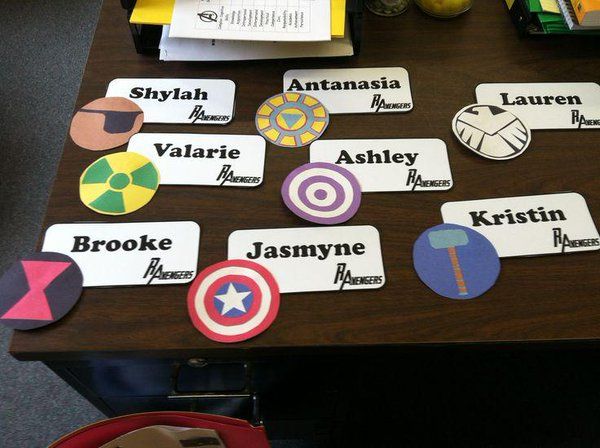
pixel 119 183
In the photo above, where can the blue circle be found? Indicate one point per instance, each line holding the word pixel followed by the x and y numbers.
pixel 477 258
pixel 234 312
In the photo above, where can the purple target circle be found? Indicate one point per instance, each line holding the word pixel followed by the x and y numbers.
pixel 322 193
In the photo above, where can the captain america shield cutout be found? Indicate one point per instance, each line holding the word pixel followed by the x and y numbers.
pixel 322 192
pixel 233 300
pixel 291 119
pixel 38 290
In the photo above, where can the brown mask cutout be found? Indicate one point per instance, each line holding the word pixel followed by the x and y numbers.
pixel 106 123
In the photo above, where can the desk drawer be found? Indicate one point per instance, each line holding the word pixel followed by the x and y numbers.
pixel 234 407
pixel 121 379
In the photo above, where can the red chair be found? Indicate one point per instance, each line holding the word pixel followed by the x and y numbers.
pixel 233 432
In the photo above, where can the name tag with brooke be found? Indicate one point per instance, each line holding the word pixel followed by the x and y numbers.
pixel 560 105
pixel 354 90
pixel 135 253
pixel 529 225
pixel 174 100
pixel 204 159
pixel 389 164
pixel 314 258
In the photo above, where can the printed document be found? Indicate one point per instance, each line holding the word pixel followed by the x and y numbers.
pixel 270 20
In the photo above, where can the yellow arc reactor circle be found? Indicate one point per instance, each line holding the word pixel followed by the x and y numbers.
pixel 291 119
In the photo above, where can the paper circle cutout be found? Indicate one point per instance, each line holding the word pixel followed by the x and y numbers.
pixel 291 119
pixel 322 192
pixel 38 290
pixel 119 183
pixel 491 132
pixel 233 300
pixel 455 261
pixel 106 123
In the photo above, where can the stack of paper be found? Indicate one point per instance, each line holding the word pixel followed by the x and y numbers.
pixel 568 12
pixel 210 30
pixel 550 17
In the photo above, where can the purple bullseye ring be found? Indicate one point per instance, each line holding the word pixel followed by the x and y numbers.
pixel 339 193
pixel 344 215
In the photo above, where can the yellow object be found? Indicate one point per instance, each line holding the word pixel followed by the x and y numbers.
pixel 152 12
pixel 587 12
pixel 550 6
pixel 160 12
pixel 444 8
pixel 338 17
pixel 118 183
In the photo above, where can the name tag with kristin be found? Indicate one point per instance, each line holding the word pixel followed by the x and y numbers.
pixel 135 253
pixel 560 105
pixel 314 258
pixel 354 90
pixel 204 159
pixel 389 165
pixel 529 225
pixel 173 100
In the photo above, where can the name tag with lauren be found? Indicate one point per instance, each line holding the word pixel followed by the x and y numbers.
pixel 355 90
pixel 561 105
pixel 136 253
pixel 173 100
pixel 389 165
pixel 529 225
pixel 204 159
pixel 314 258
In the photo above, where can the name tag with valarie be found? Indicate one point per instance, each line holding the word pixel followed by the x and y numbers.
pixel 389 165
pixel 173 100
pixel 551 105
pixel 135 253
pixel 314 258
pixel 354 90
pixel 204 159
pixel 529 225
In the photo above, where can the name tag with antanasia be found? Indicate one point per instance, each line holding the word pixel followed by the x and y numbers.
pixel 419 164
pixel 550 105
pixel 354 90
pixel 314 258
pixel 529 225
pixel 204 159
pixel 173 100
pixel 133 253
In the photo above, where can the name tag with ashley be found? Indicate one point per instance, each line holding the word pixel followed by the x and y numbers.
pixel 529 225
pixel 136 253
pixel 172 100
pixel 389 165
pixel 197 159
pixel 314 258
pixel 355 90
pixel 561 105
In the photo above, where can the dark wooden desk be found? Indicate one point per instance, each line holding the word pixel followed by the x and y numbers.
pixel 552 298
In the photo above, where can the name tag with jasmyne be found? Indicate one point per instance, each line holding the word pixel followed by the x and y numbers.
pixel 529 225
pixel 547 105
pixel 204 159
pixel 419 164
pixel 132 253
pixel 354 90
pixel 314 258
pixel 177 100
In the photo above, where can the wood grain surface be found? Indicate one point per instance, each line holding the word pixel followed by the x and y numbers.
pixel 550 298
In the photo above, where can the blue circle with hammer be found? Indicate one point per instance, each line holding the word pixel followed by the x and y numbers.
pixel 455 261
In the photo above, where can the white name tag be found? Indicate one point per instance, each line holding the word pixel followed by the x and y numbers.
pixel 314 258
pixel 562 105
pixel 529 225
pixel 389 165
pixel 136 253
pixel 172 100
pixel 197 159
pixel 354 90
